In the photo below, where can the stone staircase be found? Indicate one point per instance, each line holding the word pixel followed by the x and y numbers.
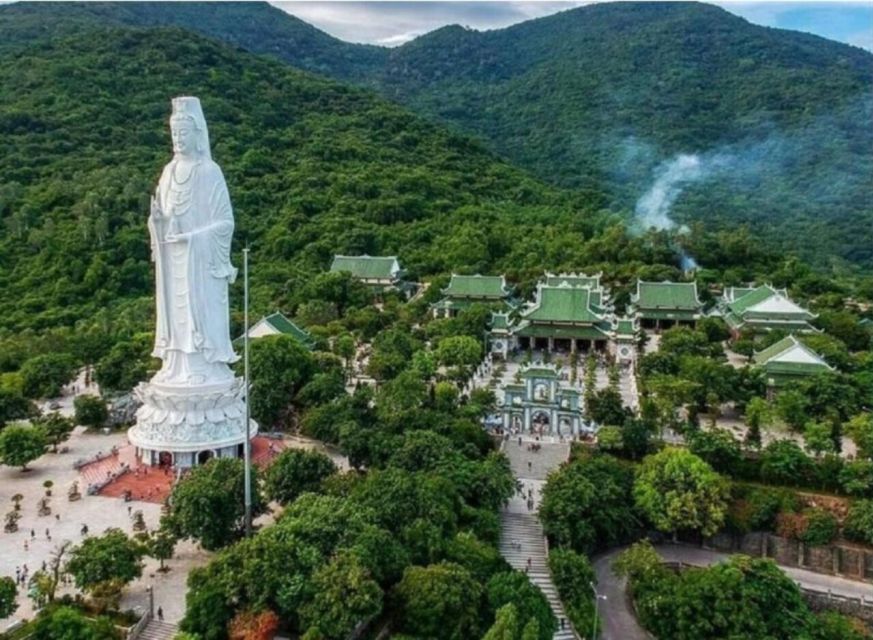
pixel 521 534
pixel 522 538
pixel 158 630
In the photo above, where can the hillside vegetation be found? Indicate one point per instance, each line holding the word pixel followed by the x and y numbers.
pixel 598 97
pixel 313 168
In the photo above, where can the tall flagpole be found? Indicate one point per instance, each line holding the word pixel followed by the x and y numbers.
pixel 247 446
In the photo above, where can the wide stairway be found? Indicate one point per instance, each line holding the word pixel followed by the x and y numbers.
pixel 522 538
pixel 521 535
pixel 158 630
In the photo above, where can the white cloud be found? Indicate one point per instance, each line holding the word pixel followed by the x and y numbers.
pixel 398 39
pixel 393 23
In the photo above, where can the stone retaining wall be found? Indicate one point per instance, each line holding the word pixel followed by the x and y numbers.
pixel 841 559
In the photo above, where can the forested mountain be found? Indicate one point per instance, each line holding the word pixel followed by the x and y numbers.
pixel 254 26
pixel 313 167
pixel 601 96
pixel 605 93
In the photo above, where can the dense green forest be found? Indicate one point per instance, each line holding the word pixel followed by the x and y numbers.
pixel 598 97
pixel 408 537
pixel 314 168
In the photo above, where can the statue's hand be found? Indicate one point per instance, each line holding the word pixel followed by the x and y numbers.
pixel 177 237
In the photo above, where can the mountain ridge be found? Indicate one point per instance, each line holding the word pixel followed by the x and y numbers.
pixel 602 96
pixel 83 135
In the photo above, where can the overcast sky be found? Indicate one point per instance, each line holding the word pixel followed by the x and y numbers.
pixel 393 23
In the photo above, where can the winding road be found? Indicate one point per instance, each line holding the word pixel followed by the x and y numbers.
pixel 617 615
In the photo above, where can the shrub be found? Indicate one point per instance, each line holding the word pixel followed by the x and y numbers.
pixel 573 576
pixel 718 447
pixel 859 522
pixel 856 478
pixel 821 527
pixel 815 527
pixel 791 525
pixel 91 411
pixel 783 462
pixel 756 508
pixel 610 439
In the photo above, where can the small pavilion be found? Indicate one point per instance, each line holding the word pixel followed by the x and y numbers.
pixel 788 361
pixel 540 404
pixel 661 305
pixel 464 291
pixel 381 273
pixel 276 324
pixel 623 337
pixel 763 309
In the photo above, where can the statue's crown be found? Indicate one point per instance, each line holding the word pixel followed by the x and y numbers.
pixel 187 106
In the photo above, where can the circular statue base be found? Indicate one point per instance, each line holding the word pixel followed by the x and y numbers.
pixel 184 426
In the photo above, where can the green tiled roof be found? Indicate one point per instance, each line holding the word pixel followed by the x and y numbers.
pixel 499 321
pixel 735 293
pixel 476 287
pixel 530 330
pixel 448 303
pixel 562 304
pixel 283 325
pixel 625 327
pixel 790 356
pixel 751 298
pixel 666 295
pixel 573 279
pixel 794 368
pixel 774 349
pixel 366 267
pixel 668 314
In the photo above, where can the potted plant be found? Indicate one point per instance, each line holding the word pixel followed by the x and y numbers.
pixel 16 500
pixel 48 484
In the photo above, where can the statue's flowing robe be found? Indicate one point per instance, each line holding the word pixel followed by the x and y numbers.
pixel 192 276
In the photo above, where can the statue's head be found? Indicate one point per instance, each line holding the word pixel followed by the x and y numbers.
pixel 188 128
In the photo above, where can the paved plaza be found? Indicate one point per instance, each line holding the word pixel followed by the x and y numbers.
pixel 67 518
pixel 494 374
pixel 99 513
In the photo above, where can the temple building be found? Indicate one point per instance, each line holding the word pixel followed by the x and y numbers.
pixel 788 361
pixel 564 317
pixel 763 309
pixel 464 291
pixel 540 404
pixel 381 273
pixel 570 313
pixel 277 324
pixel 624 334
pixel 500 331
pixel 661 305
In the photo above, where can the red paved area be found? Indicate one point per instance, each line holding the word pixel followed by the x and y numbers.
pixel 148 484
pixel 151 484
pixel 265 450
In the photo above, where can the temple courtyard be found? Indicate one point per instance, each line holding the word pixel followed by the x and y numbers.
pixel 39 536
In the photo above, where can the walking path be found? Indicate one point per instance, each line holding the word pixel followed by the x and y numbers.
pixel 617 616
pixel 522 542
pixel 158 630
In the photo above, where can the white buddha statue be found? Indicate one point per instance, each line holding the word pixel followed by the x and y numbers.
pixel 191 225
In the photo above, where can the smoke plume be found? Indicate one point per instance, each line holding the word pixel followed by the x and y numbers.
pixel 671 177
